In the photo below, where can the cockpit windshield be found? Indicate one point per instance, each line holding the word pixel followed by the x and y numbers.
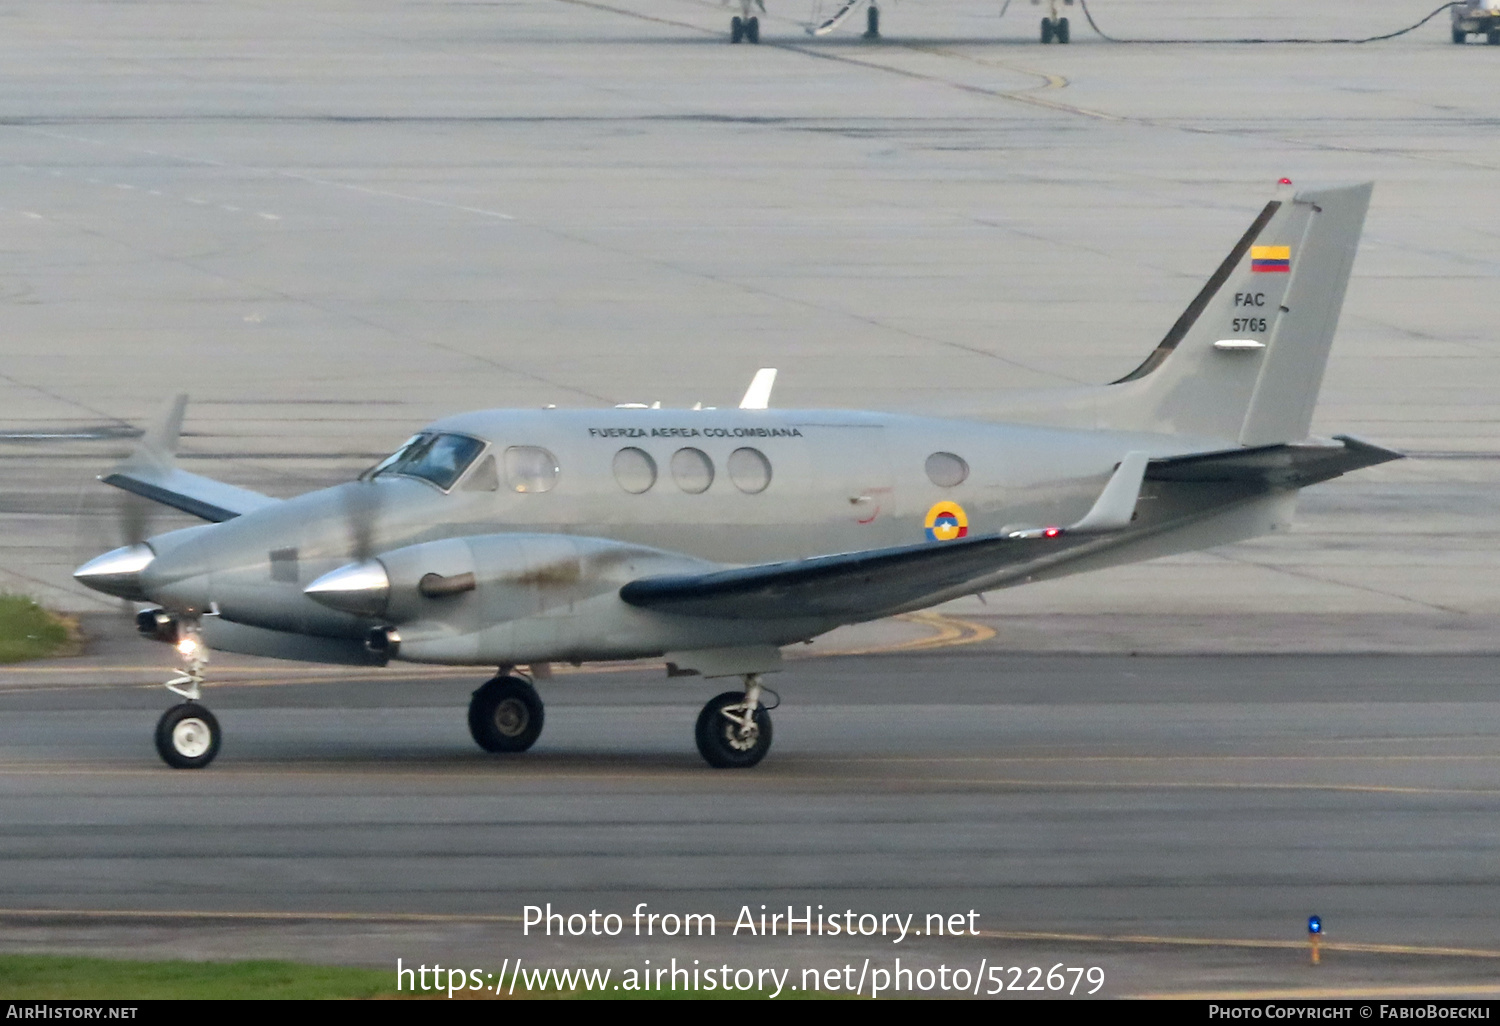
pixel 441 459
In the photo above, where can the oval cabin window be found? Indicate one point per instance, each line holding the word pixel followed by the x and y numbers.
pixel 635 470
pixel 530 469
pixel 692 470
pixel 946 470
pixel 749 470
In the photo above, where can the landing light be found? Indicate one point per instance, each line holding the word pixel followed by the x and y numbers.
pixel 188 646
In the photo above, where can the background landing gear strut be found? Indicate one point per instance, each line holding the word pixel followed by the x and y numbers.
pixel 745 27
pixel 1055 27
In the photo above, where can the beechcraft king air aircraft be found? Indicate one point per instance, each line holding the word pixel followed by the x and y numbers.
pixel 709 539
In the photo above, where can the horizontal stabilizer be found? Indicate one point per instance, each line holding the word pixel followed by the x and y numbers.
pixel 1273 466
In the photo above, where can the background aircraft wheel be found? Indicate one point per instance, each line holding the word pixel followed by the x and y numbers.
pixel 187 736
pixel 1460 36
pixel 723 743
pixel 872 22
pixel 1046 30
pixel 752 30
pixel 505 715
pixel 1062 30
pixel 736 29
pixel 1492 37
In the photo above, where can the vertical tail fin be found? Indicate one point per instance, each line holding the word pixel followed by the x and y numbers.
pixel 1246 358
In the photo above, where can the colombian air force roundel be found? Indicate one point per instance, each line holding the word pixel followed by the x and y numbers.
pixel 947 521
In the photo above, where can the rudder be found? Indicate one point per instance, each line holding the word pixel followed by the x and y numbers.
pixel 1246 358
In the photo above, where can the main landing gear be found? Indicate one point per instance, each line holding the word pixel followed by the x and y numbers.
pixel 505 715
pixel 745 27
pixel 734 729
pixel 188 735
pixel 1055 27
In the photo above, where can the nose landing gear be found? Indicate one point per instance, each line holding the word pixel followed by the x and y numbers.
pixel 734 729
pixel 188 735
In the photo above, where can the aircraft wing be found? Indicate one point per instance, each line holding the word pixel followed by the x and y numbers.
pixel 151 472
pixel 861 584
pixel 850 583
pixel 866 584
pixel 203 497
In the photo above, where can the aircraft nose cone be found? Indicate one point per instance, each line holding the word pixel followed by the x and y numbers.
pixel 359 588
pixel 117 572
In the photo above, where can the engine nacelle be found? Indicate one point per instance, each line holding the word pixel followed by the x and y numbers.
pixel 471 582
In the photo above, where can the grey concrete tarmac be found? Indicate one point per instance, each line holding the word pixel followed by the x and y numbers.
pixel 332 221
pixel 1185 799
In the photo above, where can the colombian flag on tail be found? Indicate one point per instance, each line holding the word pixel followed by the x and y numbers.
pixel 1271 258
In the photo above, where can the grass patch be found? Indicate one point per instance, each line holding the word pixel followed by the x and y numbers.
pixel 27 631
pixel 65 977
pixel 54 977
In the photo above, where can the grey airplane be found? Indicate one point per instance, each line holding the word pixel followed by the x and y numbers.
pixel 709 539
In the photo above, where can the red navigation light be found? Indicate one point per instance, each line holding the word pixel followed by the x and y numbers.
pixel 1051 532
pixel 1285 181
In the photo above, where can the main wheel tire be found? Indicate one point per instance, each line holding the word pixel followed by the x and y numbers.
pixel 1460 36
pixel 1492 37
pixel 872 22
pixel 1062 30
pixel 505 715
pixel 1046 30
pixel 720 740
pixel 187 736
pixel 752 30
pixel 736 29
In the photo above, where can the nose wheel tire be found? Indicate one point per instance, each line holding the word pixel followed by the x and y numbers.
pixel 725 739
pixel 1060 31
pixel 505 715
pixel 187 736
pixel 752 30
pixel 736 29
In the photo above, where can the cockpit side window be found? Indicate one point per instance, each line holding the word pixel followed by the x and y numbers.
pixel 438 458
